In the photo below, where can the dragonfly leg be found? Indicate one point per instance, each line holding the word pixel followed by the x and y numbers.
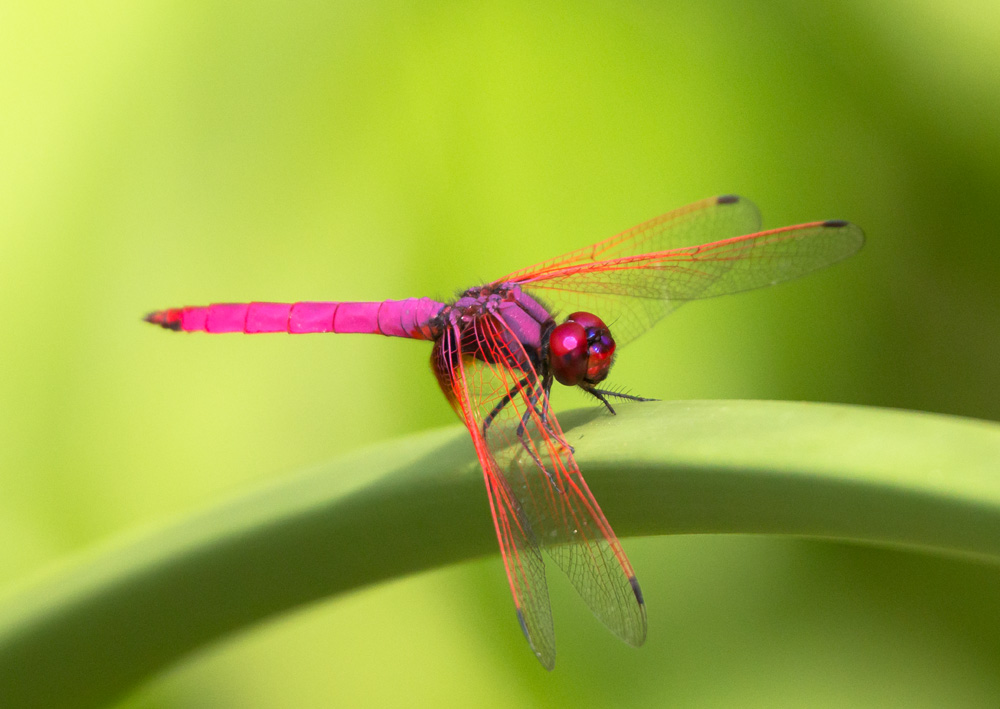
pixel 544 413
pixel 501 404
pixel 623 395
pixel 601 394
pixel 532 399
pixel 532 396
pixel 547 388
pixel 533 402
pixel 559 440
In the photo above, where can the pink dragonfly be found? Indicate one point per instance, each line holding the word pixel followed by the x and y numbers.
pixel 498 348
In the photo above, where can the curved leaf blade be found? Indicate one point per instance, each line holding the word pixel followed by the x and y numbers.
pixel 871 475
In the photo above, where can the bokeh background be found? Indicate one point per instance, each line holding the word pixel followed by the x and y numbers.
pixel 163 154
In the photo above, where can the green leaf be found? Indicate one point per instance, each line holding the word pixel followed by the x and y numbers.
pixel 816 470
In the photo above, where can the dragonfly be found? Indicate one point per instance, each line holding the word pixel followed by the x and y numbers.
pixel 499 347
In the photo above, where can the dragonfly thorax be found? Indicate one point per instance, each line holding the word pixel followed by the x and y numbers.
pixel 581 350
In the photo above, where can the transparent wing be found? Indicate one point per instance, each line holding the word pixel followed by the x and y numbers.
pixel 508 413
pixel 708 220
pixel 519 547
pixel 632 293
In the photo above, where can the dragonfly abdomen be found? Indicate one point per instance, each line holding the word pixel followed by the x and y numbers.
pixel 393 318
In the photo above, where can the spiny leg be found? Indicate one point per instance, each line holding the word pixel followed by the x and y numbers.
pixel 502 403
pixel 600 395
pixel 623 395
pixel 532 398
pixel 543 415
pixel 547 388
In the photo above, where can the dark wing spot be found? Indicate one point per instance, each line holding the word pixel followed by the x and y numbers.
pixel 727 199
pixel 524 627
pixel 636 590
pixel 835 223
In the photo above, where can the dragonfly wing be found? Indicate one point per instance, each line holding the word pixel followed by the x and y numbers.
pixel 519 547
pixel 708 220
pixel 571 526
pixel 509 410
pixel 632 293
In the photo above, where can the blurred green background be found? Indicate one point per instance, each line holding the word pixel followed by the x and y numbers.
pixel 163 154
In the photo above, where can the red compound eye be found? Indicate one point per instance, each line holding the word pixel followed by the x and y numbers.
pixel 601 351
pixel 568 353
pixel 581 350
pixel 589 321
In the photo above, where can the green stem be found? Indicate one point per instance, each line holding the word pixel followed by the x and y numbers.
pixel 815 470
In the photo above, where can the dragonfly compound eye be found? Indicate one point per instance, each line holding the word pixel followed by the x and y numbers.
pixel 600 346
pixel 568 353
pixel 589 321
pixel 601 354
pixel 581 350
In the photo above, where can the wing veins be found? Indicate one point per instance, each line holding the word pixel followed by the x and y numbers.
pixel 556 501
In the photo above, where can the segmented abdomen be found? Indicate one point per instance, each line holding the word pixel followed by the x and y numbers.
pixel 395 318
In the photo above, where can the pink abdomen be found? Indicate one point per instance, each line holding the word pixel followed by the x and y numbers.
pixel 395 318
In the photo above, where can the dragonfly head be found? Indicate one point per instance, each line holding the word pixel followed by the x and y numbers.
pixel 581 350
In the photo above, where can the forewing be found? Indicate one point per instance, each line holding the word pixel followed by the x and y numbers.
pixel 707 220
pixel 632 293
pixel 519 548
pixel 525 443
